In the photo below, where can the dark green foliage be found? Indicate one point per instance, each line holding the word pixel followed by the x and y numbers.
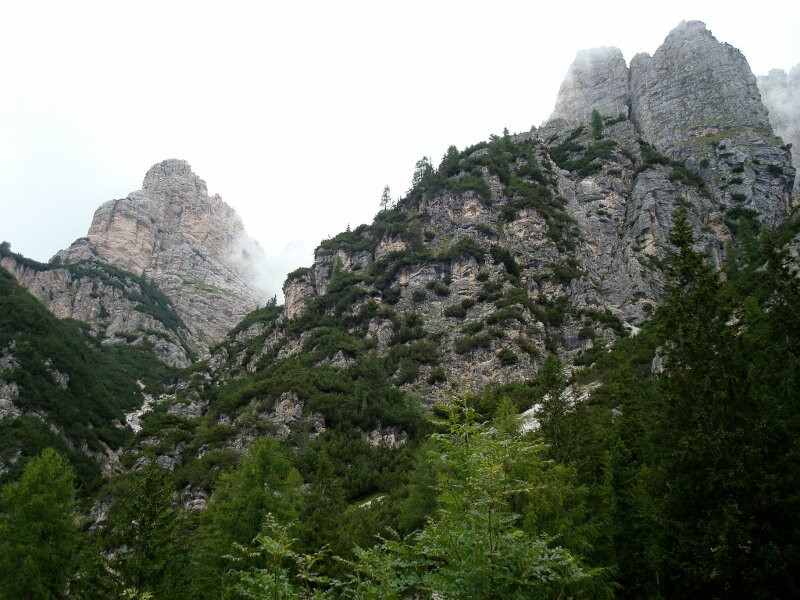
pixel 465 247
pixel 408 371
pixel 527 195
pixel 739 168
pixel 408 329
pixel 472 328
pixel 528 346
pixel 506 357
pixel 436 376
pixel 590 356
pixel 738 197
pixel 560 153
pixel 489 537
pixel 38 534
pixel 148 299
pixel 504 315
pixel 567 155
pixel 565 272
pixel 468 343
pixel 697 464
pixel 439 288
pixel 457 311
pixel 266 314
pixel 734 215
pixel 102 383
pixel 607 318
pixel 597 124
pixel 502 256
pixel 146 524
pixel 265 483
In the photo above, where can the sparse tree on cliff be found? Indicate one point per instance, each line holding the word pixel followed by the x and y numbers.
pixel 386 198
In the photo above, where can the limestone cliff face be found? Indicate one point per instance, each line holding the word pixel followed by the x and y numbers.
pixel 596 80
pixel 692 84
pixel 117 305
pixel 191 245
pixel 696 101
pixel 781 95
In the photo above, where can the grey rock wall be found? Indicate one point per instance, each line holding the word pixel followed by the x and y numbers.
pixel 780 93
pixel 597 79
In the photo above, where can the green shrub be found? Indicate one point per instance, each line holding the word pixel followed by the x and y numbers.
pixel 436 376
pixel 439 288
pixel 468 343
pixel 465 247
pixel 597 124
pixel 506 357
pixel 528 346
pixel 408 371
pixel 472 328
pixel 502 256
pixel 457 311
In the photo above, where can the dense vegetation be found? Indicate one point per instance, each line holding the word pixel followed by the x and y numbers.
pixel 101 385
pixel 677 478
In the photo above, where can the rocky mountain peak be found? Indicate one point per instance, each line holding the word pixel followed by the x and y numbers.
pixel 692 86
pixel 191 245
pixel 687 31
pixel 597 79
pixel 173 178
pixel 697 102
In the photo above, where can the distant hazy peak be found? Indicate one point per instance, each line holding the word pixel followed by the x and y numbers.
pixel 780 93
pixel 596 80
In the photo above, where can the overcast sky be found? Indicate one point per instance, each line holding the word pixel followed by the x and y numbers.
pixel 296 113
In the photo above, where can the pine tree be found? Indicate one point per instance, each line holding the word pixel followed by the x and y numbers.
pixel 147 533
pixel 38 536
pixel 597 124
pixel 386 198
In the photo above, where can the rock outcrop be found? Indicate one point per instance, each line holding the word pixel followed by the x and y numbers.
pixel 191 245
pixel 691 85
pixel 781 95
pixel 118 306
pixel 696 101
pixel 596 80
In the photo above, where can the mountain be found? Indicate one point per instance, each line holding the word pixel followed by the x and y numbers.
pixel 169 242
pixel 191 245
pixel 551 241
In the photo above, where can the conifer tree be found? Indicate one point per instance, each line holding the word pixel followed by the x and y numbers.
pixel 38 535
pixel 386 198
pixel 147 534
